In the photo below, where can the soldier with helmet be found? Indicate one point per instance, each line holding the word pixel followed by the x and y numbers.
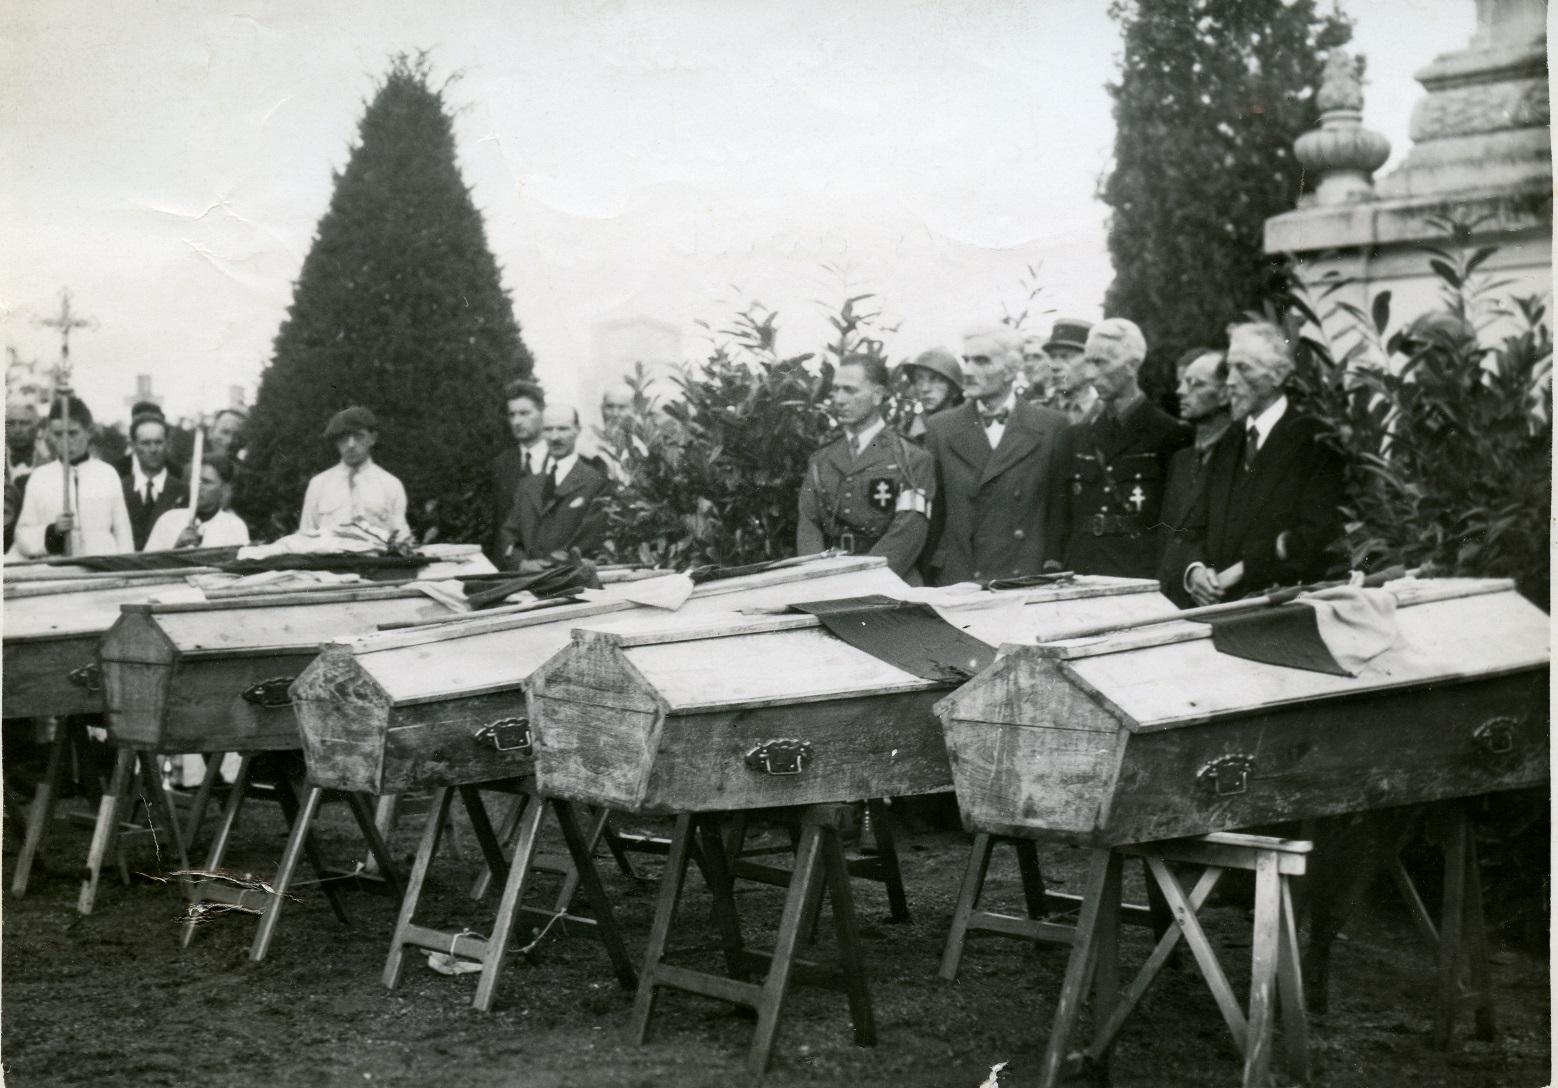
pixel 868 491
pixel 937 380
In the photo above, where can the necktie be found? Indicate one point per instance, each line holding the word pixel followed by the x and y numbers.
pixel 525 468
pixel 1251 444
pixel 549 488
pixel 149 497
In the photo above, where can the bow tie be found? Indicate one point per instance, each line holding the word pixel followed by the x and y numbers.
pixel 994 417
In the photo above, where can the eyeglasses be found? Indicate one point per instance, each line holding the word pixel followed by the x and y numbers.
pixel 977 360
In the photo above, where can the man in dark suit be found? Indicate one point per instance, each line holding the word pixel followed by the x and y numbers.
pixel 559 507
pixel 1203 403
pixel 1269 512
pixel 1119 461
pixel 150 489
pixel 1000 470
pixel 524 458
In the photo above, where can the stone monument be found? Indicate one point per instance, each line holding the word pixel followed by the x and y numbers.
pixel 1481 154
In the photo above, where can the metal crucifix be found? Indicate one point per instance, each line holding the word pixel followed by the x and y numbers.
pixel 66 321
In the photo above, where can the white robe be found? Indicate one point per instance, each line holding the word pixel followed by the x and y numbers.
pixel 102 520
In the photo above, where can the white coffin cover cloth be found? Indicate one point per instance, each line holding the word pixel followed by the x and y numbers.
pixel 1356 624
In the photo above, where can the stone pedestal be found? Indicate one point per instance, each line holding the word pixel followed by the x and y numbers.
pixel 1481 154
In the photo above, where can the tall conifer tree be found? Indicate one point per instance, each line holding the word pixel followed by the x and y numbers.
pixel 1212 94
pixel 399 307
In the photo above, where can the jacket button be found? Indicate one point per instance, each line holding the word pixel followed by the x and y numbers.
pixel 1018 533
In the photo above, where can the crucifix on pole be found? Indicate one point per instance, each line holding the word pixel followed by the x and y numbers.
pixel 66 321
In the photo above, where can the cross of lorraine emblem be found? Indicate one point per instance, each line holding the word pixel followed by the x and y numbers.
pixel 881 492
pixel 1138 498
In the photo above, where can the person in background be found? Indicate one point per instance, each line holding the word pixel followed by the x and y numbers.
pixel 225 435
pixel 212 524
pixel 1203 403
pixel 868 491
pixel 1270 511
pixel 616 403
pixel 1071 392
pixel 21 440
pixel 95 522
pixel 1119 461
pixel 526 402
pixel 150 488
pixel 558 508
pixel 13 507
pixel 1037 372
pixel 148 409
pixel 355 488
pixel 937 381
pixel 1000 473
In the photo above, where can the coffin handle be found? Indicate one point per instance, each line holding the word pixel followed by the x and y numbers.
pixel 271 693
pixel 1228 776
pixel 778 757
pixel 89 676
pixel 1495 740
pixel 505 735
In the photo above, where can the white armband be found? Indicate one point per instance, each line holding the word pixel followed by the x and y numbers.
pixel 912 501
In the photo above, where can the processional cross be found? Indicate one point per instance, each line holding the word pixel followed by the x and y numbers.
pixel 66 321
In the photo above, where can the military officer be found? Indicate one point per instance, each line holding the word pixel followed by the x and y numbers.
pixel 1119 461
pixel 868 491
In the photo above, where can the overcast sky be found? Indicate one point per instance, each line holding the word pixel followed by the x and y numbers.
pixel 168 161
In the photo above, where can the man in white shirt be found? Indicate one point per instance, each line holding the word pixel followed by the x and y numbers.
pixel 211 524
pixel 150 489
pixel 356 488
pixel 93 521
pixel 560 508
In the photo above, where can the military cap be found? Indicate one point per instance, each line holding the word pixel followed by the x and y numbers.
pixel 1069 332
pixel 940 361
pixel 1434 327
pixel 347 420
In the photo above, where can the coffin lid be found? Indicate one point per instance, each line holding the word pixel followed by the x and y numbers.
pixel 1159 677
pixel 484 655
pixel 83 612
pixel 694 664
pixel 283 623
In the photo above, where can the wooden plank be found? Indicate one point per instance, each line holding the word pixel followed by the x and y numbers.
pixel 35 678
pixel 280 626
pixel 88 612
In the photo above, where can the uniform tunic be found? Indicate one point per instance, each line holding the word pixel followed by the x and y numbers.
pixel 1118 471
pixel 876 502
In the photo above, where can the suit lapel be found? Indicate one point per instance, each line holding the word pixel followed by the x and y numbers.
pixel 1023 434
pixel 966 437
pixel 1270 467
pixel 576 480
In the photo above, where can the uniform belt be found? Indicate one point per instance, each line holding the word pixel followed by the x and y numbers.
pixel 1114 524
pixel 852 541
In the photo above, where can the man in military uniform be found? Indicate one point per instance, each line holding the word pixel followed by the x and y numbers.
pixel 868 491
pixel 1119 461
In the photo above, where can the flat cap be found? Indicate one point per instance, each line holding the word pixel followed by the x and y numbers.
pixel 1069 332
pixel 347 420
pixel 940 361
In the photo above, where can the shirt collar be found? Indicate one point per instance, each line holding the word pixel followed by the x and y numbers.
pixel 1006 405
pixel 860 441
pixel 1267 419
pixel 141 479
pixel 564 466
pixel 1121 408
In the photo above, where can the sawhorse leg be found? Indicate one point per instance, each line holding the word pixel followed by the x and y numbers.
pixel 41 811
pixel 1463 951
pixel 105 830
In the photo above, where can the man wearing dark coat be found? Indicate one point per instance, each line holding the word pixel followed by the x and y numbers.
pixel 524 458
pixel 1203 403
pixel 150 487
pixel 557 508
pixel 1269 512
pixel 1000 471
pixel 1119 461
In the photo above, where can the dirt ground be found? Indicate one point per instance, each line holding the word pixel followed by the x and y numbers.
pixel 112 999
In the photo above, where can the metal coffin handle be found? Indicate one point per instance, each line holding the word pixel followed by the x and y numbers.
pixel 88 676
pixel 1495 741
pixel 271 693
pixel 783 756
pixel 505 735
pixel 1228 776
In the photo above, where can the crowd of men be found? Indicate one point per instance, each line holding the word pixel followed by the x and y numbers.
pixel 1034 456
pixel 1025 456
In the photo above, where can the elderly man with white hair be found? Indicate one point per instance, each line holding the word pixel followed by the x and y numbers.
pixel 1269 513
pixel 1000 472
pixel 1119 461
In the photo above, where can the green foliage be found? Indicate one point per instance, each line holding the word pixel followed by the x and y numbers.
pixel 400 307
pixel 1211 96
pixel 714 475
pixel 1450 454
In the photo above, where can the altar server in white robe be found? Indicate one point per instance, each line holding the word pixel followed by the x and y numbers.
pixel 95 521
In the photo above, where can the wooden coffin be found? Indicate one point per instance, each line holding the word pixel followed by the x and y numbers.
pixel 445 706
pixel 50 643
pixel 734 713
pixel 1152 733
pixel 213 677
